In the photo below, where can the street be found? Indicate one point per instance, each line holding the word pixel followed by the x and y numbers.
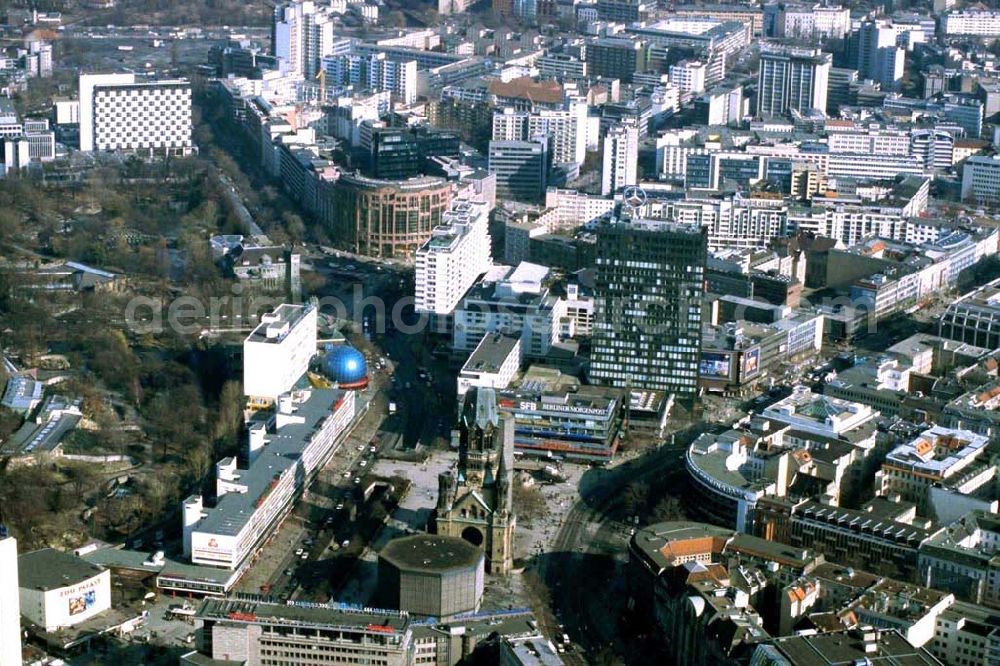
pixel 584 570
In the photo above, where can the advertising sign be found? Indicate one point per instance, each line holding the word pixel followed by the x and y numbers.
pixel 714 366
pixel 751 362
pixel 82 603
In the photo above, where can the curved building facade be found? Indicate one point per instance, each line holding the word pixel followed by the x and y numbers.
pixel 387 218
pixel 721 493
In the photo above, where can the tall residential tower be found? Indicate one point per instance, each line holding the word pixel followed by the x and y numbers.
pixel 621 157
pixel 792 79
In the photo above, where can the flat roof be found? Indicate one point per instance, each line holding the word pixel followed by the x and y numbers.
pixel 535 652
pixel 585 399
pixel 921 453
pixel 848 647
pixel 193 572
pixel 282 451
pixel 687 27
pixel 518 622
pixel 195 658
pixel 491 353
pixel 711 461
pixel 431 553
pixel 51 569
pixel 369 620
pixel 121 558
pixel 670 544
pixel 841 518
pixel 285 315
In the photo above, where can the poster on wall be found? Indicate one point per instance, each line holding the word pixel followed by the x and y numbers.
pixel 82 603
pixel 714 365
pixel 751 362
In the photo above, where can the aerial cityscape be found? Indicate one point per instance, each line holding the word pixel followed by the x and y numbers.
pixel 499 333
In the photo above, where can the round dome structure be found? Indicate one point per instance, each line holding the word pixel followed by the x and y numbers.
pixel 346 366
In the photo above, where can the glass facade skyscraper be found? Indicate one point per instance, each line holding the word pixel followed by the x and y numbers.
pixel 649 288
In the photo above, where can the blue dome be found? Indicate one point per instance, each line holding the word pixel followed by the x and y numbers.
pixel 346 366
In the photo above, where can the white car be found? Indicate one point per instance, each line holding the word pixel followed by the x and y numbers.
pixel 298 552
pixel 363 463
pixel 347 474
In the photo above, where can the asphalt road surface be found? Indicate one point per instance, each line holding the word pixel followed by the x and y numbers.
pixel 585 567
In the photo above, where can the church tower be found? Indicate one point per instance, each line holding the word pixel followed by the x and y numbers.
pixel 477 504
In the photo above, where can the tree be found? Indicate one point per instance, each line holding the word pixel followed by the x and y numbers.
pixel 294 227
pixel 529 503
pixel 80 477
pixel 229 415
pixel 635 498
pixel 112 360
pixel 395 19
pixel 10 421
pixel 667 509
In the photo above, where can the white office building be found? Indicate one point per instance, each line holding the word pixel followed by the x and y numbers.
pixel 516 301
pixel 373 71
pixel 879 56
pixel 453 258
pixel 38 59
pixel 493 364
pixel 978 23
pixel 568 209
pixel 446 7
pixel 283 455
pixel 67 111
pixel 277 353
pixel 58 589
pixel 881 142
pixel 10 605
pixel 621 157
pixel 567 129
pixel 939 456
pixel 689 76
pixel 981 180
pixel 810 21
pixel 792 79
pixel 120 113
pixel 302 33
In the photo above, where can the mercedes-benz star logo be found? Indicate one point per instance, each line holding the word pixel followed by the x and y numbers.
pixel 634 197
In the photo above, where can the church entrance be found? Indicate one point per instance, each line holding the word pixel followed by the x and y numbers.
pixel 473 536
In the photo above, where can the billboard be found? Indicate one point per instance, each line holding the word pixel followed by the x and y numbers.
pixel 714 365
pixel 82 603
pixel 751 362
